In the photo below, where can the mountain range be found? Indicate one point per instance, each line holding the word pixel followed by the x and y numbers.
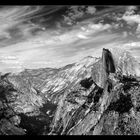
pixel 95 96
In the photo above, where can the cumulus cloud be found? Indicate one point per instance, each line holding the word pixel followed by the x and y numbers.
pixel 130 19
pixel 133 20
pixel 91 10
pixel 129 16
pixel 99 26
pixel 130 10
pixel 72 14
pixel 76 12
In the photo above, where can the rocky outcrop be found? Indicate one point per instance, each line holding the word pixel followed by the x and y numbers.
pixel 96 96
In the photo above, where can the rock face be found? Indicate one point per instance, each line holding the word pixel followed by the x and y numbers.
pixel 96 96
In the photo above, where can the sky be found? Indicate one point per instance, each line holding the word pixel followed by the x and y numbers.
pixel 53 36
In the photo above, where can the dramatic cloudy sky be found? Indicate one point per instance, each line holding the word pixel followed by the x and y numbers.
pixel 53 36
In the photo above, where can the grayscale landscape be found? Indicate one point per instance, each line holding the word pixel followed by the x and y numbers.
pixel 70 70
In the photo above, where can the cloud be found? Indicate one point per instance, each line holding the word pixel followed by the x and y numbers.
pixel 133 20
pixel 12 22
pixel 125 34
pixel 138 29
pixel 129 16
pixel 77 12
pixel 91 10
pixel 73 14
pixel 19 23
pixel 46 50
pixel 82 36
pixel 52 48
pixel 130 19
pixel 130 10
pixel 99 27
